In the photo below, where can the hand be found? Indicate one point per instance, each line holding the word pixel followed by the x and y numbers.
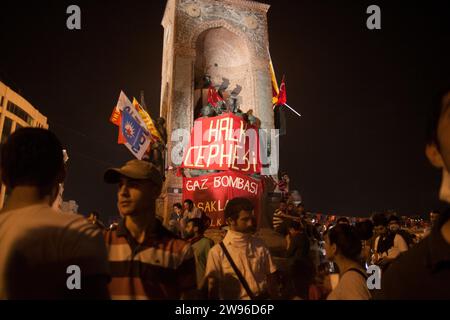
pixel 288 240
pixel 384 261
pixel 375 258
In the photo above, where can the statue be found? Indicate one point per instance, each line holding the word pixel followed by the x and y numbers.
pixel 157 148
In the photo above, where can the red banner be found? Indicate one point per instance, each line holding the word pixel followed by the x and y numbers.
pixel 225 142
pixel 212 192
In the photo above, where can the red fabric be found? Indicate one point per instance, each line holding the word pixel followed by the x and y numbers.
pixel 213 96
pixel 282 98
pixel 212 192
pixel 223 143
pixel 116 117
pixel 121 139
pixel 314 293
pixel 317 292
pixel 274 94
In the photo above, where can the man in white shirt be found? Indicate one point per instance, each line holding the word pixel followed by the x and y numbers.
pixel 250 256
pixel 45 254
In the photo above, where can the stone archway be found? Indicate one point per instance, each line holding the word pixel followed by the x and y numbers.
pixel 225 57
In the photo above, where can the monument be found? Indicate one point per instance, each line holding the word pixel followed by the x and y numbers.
pixel 226 40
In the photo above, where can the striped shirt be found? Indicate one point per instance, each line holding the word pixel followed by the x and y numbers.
pixel 277 218
pixel 162 267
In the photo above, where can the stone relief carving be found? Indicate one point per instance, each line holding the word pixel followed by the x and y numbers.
pixel 195 15
pixel 193 10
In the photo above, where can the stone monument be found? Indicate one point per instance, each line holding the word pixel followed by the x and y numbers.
pixel 226 40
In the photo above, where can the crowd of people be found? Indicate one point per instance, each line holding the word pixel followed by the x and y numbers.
pixel 378 240
pixel 139 258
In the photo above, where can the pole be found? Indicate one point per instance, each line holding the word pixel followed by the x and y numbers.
pixel 293 110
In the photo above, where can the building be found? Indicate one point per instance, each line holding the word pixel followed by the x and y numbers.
pixel 15 113
pixel 227 40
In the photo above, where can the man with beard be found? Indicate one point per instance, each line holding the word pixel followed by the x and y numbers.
pixel 388 245
pixel 194 233
pixel 240 267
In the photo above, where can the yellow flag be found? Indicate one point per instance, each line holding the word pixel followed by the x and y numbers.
pixel 147 120
pixel 275 89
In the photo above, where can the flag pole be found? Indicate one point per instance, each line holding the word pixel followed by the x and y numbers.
pixel 293 110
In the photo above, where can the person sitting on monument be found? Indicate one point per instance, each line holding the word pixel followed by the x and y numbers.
pixel 221 107
pixel 191 211
pixel 239 113
pixel 283 186
pixel 252 120
pixel 208 111
pixel 161 127
pixel 176 221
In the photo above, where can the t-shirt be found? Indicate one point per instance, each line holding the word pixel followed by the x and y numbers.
pixel 252 258
pixel 201 249
pixel 277 218
pixel 399 245
pixel 38 244
pixel 351 286
pixel 161 268
pixel 194 213
pixel 176 223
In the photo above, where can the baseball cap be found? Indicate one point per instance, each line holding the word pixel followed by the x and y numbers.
pixel 135 169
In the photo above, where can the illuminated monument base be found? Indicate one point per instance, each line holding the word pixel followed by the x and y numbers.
pixel 227 40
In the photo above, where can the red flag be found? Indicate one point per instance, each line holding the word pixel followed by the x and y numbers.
pixel 282 99
pixel 115 117
pixel 213 96
pixel 121 139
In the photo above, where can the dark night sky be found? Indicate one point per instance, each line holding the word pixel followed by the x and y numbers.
pixel 364 95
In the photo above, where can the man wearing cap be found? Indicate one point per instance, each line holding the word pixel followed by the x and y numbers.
pixel 147 261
